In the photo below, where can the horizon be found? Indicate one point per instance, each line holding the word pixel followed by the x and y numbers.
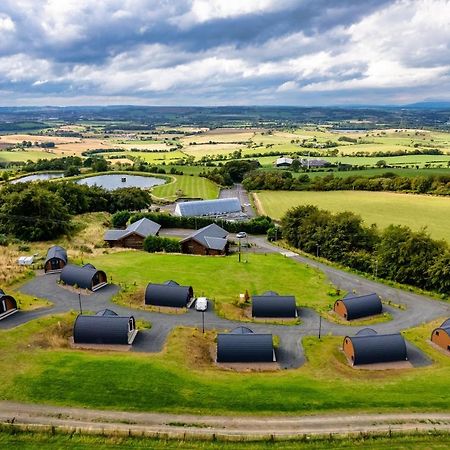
pixel 210 53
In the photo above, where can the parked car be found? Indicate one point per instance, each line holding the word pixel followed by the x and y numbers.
pixel 241 235
pixel 201 304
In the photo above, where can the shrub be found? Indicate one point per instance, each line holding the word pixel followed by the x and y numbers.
pixel 120 219
pixel 161 244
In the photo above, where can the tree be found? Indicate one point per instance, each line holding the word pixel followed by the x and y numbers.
pixel 120 219
pixel 100 165
pixel 71 171
pixel 131 198
pixel 296 165
pixel 34 214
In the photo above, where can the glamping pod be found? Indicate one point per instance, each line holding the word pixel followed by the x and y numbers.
pixel 209 240
pixel 354 307
pixel 8 305
pixel 105 327
pixel 56 259
pixel 169 294
pixel 85 277
pixel 441 335
pixel 244 346
pixel 369 347
pixel 270 304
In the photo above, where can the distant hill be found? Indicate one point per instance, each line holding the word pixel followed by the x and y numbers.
pixel 429 105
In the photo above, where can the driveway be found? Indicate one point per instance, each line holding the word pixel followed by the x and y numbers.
pixel 239 192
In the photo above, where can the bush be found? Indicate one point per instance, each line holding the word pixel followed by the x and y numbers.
pixel 161 244
pixel 3 240
pixel 120 219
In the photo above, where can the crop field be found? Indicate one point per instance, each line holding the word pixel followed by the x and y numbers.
pixel 187 186
pixel 22 156
pixel 403 172
pixel 150 157
pixel 211 149
pixel 183 378
pixel 227 135
pixel 382 208
pixel 256 276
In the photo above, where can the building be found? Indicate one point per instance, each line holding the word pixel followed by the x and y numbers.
pixel 209 240
pixel 134 235
pixel 85 277
pixel 244 346
pixel 270 304
pixel 105 327
pixel 218 207
pixel 369 347
pixel 284 162
pixel 8 305
pixel 169 294
pixel 356 306
pixel 56 259
pixel 441 335
pixel 314 163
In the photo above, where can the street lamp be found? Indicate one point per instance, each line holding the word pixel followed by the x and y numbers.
pixel 79 301
pixel 317 250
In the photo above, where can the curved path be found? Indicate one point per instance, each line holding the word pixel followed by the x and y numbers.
pixel 419 309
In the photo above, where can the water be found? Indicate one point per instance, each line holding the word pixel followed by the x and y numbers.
pixel 111 182
pixel 38 177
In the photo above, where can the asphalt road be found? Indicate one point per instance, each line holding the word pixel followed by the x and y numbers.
pixel 419 309
pixel 239 192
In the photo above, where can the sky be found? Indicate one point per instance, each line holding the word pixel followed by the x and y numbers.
pixel 224 52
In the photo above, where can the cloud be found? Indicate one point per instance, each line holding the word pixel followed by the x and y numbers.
pixel 224 52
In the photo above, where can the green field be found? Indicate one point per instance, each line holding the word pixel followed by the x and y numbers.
pixel 22 156
pixel 150 157
pixel 382 208
pixel 17 440
pixel 187 186
pixel 183 378
pixel 257 275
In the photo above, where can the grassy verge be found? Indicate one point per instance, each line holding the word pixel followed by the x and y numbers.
pixel 14 439
pixel 184 379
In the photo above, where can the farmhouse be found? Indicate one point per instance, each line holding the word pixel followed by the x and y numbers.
pixel 85 277
pixel 105 327
pixel 369 347
pixel 441 335
pixel 270 304
pixel 216 207
pixel 284 162
pixel 169 294
pixel 134 235
pixel 242 345
pixel 56 259
pixel 354 307
pixel 8 305
pixel 209 240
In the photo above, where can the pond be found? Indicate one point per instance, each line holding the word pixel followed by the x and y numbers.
pixel 111 182
pixel 38 177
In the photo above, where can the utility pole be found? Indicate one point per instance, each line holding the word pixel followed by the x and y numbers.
pixel 239 246
pixel 320 326
pixel 79 301
pixel 317 250
pixel 376 268
pixel 203 322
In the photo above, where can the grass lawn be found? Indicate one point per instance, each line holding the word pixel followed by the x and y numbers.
pixel 187 186
pixel 382 208
pixel 15 440
pixel 22 156
pixel 261 273
pixel 183 378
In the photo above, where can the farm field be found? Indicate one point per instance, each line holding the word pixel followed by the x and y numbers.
pixel 257 275
pixel 403 172
pixel 174 380
pixel 187 186
pixel 22 156
pixel 156 157
pixel 382 208
pixel 198 151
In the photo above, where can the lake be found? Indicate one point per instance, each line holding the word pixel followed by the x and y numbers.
pixel 38 177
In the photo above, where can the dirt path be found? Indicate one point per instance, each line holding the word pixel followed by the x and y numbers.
pixel 214 427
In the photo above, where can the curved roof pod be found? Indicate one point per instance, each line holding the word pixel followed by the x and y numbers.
pixel 104 329
pixel 245 347
pixel 8 305
pixel 366 332
pixel 241 330
pixel 354 307
pixel 106 312
pixel 56 259
pixel 370 347
pixel 274 305
pixel 441 335
pixel 86 277
pixel 168 294
pixel 208 207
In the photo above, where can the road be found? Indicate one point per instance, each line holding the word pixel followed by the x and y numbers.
pixel 239 192
pixel 187 426
pixel 418 309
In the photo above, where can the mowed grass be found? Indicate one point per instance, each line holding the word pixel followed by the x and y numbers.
pixel 184 379
pixel 382 208
pixel 22 156
pixel 187 186
pixel 220 278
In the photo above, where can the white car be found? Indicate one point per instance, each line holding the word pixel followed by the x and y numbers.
pixel 201 304
pixel 241 235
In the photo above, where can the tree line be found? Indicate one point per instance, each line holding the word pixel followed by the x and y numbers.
pixel 396 253
pixel 44 210
pixel 389 181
